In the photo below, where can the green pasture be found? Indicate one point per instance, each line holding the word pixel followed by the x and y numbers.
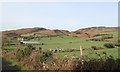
pixel 66 42
pixel 91 54
pixel 61 42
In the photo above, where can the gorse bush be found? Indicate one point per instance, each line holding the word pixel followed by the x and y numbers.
pixel 24 52
pixel 44 56
pixel 19 53
pixel 100 64
pixel 47 56
pixel 108 45
pixel 67 63
pixel 28 50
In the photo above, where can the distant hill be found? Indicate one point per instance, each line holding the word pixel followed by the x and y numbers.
pixel 84 32
pixel 91 31
pixel 52 32
pixel 36 30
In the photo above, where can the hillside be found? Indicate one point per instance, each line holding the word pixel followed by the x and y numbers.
pixel 91 31
pixel 59 50
pixel 84 32
pixel 36 30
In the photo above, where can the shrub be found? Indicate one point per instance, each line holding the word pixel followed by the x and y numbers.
pixel 42 44
pixel 96 47
pixel 19 53
pixel 117 44
pixel 24 52
pixel 118 40
pixel 99 64
pixel 93 47
pixel 78 32
pixel 45 56
pixel 107 37
pixel 28 50
pixel 75 64
pixel 97 35
pixel 108 45
pixel 96 39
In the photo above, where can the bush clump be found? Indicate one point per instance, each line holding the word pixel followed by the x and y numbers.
pixel 24 52
pixel 117 44
pixel 19 53
pixel 96 47
pixel 108 45
pixel 44 56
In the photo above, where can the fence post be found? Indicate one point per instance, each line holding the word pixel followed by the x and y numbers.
pixel 81 51
pixel 81 55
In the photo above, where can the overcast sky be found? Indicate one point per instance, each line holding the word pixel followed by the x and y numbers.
pixel 59 15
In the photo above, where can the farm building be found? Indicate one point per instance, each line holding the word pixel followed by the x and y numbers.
pixel 28 42
pixel 20 39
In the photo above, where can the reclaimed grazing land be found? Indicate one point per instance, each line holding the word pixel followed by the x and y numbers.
pixel 39 51
pixel 66 42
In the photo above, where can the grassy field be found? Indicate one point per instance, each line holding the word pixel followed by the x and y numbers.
pixel 91 54
pixel 62 42
pixel 25 62
pixel 67 42
pixel 74 42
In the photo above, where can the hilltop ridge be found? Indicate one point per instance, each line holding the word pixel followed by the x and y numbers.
pixel 83 32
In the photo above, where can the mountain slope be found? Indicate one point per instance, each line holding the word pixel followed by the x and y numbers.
pixel 91 31
pixel 36 30
pixel 84 32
